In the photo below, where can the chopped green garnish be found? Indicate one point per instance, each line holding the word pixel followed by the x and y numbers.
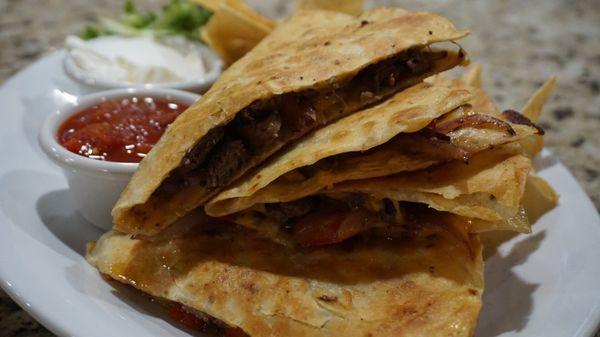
pixel 181 17
pixel 135 18
pixel 178 17
pixel 129 7
pixel 92 32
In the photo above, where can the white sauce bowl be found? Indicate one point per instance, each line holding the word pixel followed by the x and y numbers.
pixel 212 63
pixel 97 184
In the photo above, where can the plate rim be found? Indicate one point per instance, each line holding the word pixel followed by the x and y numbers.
pixel 587 328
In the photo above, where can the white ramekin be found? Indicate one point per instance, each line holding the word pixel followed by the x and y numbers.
pixel 96 184
pixel 214 67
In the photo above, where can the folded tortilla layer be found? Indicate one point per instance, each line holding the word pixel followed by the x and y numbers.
pixel 487 190
pixel 336 153
pixel 314 68
pixel 427 281
pixel 407 111
pixel 489 187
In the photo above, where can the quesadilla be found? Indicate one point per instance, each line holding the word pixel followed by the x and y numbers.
pixel 443 124
pixel 313 69
pixel 426 124
pixel 426 280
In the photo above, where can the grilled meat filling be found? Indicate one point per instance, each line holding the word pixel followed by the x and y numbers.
pixel 263 127
pixel 321 220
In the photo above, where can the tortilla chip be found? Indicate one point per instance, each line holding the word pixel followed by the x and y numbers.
pixel 428 285
pixel 533 107
pixel 517 223
pixel 472 77
pixel 234 28
pixel 242 9
pixel 352 7
pixel 283 62
pixel 539 197
pixel 533 110
pixel 230 35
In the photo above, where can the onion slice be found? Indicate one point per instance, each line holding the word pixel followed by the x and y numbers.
pixel 518 118
pixel 474 121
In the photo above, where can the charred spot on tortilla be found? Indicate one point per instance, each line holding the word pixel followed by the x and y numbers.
pixel 328 298
pixel 264 126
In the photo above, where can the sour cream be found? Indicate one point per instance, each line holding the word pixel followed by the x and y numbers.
pixel 136 60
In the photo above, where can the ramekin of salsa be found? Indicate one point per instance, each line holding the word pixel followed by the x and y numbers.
pixel 99 140
pixel 118 130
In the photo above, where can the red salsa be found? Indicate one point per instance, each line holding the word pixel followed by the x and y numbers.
pixel 118 130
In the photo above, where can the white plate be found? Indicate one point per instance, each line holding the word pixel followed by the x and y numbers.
pixel 543 284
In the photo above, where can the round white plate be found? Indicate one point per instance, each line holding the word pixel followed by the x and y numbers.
pixel 543 284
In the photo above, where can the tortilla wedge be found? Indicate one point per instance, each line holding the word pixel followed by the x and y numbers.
pixel 408 111
pixel 408 152
pixel 317 57
pixel 487 191
pixel 489 187
pixel 427 282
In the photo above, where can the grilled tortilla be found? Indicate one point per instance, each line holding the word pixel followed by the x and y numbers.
pixel 313 69
pixel 488 189
pixel 421 126
pixel 425 281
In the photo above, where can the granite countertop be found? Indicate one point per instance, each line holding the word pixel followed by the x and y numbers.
pixel 519 43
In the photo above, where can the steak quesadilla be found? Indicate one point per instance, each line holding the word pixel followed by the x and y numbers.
pixel 444 125
pixel 425 280
pixel 312 69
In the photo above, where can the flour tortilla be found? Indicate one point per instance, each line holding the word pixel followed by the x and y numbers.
pixel 487 191
pixel 427 284
pixel 489 187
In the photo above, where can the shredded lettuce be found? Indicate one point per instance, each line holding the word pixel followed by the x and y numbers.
pixel 178 17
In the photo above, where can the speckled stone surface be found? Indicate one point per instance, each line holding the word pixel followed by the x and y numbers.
pixel 520 44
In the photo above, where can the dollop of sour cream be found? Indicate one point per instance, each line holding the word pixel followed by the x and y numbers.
pixel 138 60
